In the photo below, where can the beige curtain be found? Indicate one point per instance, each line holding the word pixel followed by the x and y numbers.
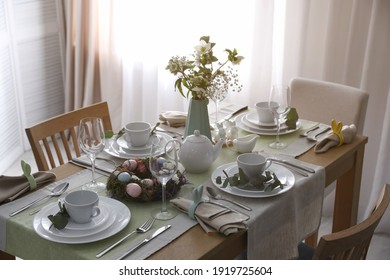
pixel 92 66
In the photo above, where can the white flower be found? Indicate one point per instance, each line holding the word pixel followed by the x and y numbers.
pixel 203 47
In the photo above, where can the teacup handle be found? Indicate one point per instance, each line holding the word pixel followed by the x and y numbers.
pixel 96 211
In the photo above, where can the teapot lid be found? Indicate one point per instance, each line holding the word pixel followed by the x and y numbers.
pixel 197 137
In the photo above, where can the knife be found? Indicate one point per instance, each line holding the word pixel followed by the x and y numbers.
pixel 81 163
pixel 146 240
pixel 235 113
pixel 296 165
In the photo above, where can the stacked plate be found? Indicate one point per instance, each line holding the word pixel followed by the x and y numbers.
pixel 250 122
pixel 121 148
pixel 285 176
pixel 114 216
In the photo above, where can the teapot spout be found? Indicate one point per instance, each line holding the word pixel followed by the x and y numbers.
pixel 217 148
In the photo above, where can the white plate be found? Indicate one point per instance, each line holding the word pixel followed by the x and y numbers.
pixel 253 119
pixel 122 218
pixel 129 148
pixel 74 230
pixel 245 125
pixel 284 175
pixel 112 148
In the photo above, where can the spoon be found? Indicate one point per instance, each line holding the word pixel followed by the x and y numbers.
pixel 57 191
pixel 219 197
pixel 154 128
pixel 306 133
pixel 313 138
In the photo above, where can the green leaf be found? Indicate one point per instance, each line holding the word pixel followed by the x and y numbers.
pixel 59 220
pixel 205 38
pixel 292 118
pixel 108 134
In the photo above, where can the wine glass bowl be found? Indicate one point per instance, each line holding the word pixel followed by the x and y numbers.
pixel 279 104
pixel 163 167
pixel 92 141
pixel 218 95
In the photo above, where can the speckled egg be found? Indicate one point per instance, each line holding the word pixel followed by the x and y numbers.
pixel 124 177
pixel 130 164
pixel 133 189
pixel 147 182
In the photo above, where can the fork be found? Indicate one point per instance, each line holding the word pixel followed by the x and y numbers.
pixel 142 229
pixel 306 133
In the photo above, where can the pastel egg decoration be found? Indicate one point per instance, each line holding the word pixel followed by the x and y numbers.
pixel 133 189
pixel 133 181
pixel 124 177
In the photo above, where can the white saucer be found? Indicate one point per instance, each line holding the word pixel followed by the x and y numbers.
pixel 75 236
pixel 74 230
pixel 242 123
pixel 122 142
pixel 253 119
pixel 284 175
pixel 112 148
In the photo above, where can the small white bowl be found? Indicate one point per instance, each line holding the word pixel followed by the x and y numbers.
pixel 245 144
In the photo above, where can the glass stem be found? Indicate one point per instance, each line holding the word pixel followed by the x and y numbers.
pixel 278 130
pixel 93 158
pixel 164 199
pixel 216 110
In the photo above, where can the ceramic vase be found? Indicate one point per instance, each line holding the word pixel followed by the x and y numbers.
pixel 198 118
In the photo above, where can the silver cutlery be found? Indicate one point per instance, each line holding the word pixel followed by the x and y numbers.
pixel 292 168
pixel 174 133
pixel 86 165
pixel 146 240
pixel 216 196
pixel 297 165
pixel 207 200
pixel 314 137
pixel 142 229
pixel 39 209
pixel 306 133
pixel 57 191
pixel 235 113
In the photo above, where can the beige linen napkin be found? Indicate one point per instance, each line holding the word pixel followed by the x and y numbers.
pixel 174 118
pixel 213 218
pixel 348 133
pixel 11 187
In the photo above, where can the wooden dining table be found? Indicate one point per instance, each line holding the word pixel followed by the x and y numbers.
pixel 343 163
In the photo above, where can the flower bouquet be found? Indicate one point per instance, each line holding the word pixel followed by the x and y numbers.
pixel 133 181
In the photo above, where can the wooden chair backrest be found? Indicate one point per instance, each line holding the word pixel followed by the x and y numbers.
pixel 353 243
pixel 62 130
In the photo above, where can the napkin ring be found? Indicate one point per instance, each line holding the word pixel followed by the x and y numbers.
pixel 336 130
pixel 197 199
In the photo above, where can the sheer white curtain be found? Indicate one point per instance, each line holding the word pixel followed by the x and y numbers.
pixel 347 42
pixel 341 41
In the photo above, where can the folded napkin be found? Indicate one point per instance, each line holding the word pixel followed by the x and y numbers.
pixel 340 135
pixel 11 187
pixel 211 217
pixel 174 118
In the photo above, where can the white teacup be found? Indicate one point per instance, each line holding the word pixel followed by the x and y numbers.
pixel 264 113
pixel 137 133
pixel 82 205
pixel 253 164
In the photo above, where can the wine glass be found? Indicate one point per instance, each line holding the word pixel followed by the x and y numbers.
pixel 218 95
pixel 163 167
pixel 91 141
pixel 279 103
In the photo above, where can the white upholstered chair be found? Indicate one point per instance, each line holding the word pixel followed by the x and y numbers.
pixel 322 101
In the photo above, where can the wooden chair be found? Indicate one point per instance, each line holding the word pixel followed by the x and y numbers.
pixel 62 130
pixel 351 243
pixel 322 101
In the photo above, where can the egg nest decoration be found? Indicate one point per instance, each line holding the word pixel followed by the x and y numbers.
pixel 133 181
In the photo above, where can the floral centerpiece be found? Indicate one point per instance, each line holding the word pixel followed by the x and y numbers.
pixel 133 181
pixel 202 75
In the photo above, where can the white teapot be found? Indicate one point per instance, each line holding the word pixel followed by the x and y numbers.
pixel 197 153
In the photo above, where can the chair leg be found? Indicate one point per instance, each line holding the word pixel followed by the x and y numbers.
pixel 312 239
pixel 6 256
